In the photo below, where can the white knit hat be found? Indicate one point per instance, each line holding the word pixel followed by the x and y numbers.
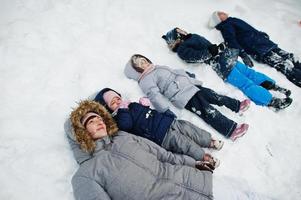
pixel 214 20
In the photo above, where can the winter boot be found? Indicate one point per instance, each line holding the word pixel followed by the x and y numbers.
pixel 244 105
pixel 204 166
pixel 211 160
pixel 279 104
pixel 239 131
pixel 272 86
pixel 282 90
pixel 216 144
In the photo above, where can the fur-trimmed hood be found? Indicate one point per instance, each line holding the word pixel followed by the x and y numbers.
pixel 81 134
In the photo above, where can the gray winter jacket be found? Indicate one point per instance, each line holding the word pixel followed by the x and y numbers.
pixel 128 167
pixel 162 82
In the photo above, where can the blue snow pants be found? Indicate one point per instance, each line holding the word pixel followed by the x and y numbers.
pixel 248 81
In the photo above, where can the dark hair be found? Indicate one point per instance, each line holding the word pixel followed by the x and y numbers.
pixel 138 69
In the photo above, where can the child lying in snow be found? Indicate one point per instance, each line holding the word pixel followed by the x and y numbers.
pixel 158 82
pixel 177 136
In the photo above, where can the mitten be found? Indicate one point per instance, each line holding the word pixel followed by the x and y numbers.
pixel 144 101
pixel 191 75
pixel 213 49
pixel 246 59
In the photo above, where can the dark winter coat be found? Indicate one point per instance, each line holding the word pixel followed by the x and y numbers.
pixel 240 35
pixel 140 120
pixel 144 121
pixel 194 49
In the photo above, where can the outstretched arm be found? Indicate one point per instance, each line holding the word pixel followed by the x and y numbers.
pixel 88 189
pixel 229 36
pixel 191 55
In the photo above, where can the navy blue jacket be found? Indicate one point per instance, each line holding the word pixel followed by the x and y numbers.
pixel 194 49
pixel 240 35
pixel 145 122
pixel 140 120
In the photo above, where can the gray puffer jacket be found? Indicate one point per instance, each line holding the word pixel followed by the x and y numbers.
pixel 128 167
pixel 162 81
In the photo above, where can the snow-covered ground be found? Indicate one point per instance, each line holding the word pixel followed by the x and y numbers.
pixel 55 53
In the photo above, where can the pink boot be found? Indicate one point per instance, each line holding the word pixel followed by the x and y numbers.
pixel 239 131
pixel 244 105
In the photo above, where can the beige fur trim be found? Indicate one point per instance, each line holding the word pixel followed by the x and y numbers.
pixel 81 134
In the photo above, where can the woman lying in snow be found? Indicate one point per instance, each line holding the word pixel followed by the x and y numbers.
pixel 177 136
pixel 118 165
pixel 240 35
pixel 183 91
pixel 193 48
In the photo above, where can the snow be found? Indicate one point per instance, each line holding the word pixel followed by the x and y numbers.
pixel 55 53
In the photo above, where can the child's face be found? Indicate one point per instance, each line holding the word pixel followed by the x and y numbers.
pixel 96 128
pixel 222 15
pixel 141 62
pixel 115 103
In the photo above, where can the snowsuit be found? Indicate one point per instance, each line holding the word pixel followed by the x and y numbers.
pixel 129 167
pixel 194 49
pixel 177 136
pixel 182 92
pixel 240 35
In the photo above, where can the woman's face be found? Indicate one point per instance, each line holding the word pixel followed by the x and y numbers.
pixel 96 128
pixel 222 15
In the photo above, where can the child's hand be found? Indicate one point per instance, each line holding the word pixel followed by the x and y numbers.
pixel 124 104
pixel 144 101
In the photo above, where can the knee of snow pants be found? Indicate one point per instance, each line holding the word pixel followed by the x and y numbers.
pixel 256 93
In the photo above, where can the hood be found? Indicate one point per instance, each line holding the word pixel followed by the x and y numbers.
pixel 214 20
pixel 82 136
pixel 130 72
pixel 99 98
pixel 79 155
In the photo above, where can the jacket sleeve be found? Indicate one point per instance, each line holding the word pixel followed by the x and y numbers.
pixel 191 55
pixel 124 119
pixel 229 36
pixel 157 99
pixel 88 189
pixel 194 81
pixel 166 156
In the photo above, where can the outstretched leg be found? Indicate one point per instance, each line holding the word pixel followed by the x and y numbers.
pixel 256 77
pixel 198 105
pixel 221 100
pixel 185 138
pixel 256 93
pixel 285 64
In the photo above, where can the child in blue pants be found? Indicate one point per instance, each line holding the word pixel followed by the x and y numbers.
pixel 193 48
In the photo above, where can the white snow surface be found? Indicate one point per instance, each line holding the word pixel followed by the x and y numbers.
pixel 56 53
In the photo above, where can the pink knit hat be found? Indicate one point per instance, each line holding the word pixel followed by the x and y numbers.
pixel 87 117
pixel 109 95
